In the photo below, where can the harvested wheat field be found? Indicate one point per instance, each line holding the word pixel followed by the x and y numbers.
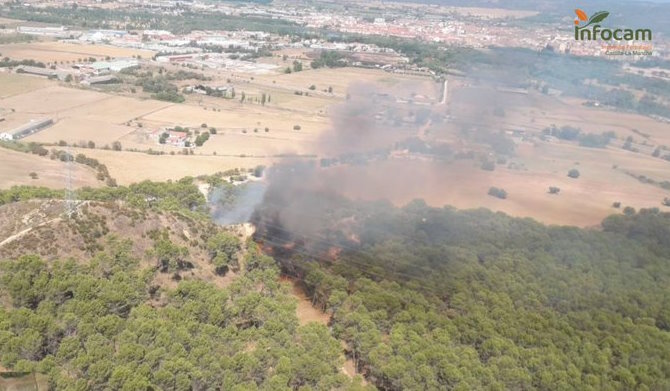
pixel 582 202
pixel 13 84
pixel 534 112
pixel 49 52
pixel 78 115
pixel 342 79
pixel 77 130
pixel 53 100
pixel 130 167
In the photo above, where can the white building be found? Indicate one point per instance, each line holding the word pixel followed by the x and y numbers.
pixel 104 67
pixel 44 31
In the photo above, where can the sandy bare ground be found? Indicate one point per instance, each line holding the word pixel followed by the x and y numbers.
pixel 25 231
pixel 15 168
pixel 305 311
pixel 36 381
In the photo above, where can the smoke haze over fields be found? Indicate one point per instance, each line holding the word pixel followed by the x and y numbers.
pixel 378 147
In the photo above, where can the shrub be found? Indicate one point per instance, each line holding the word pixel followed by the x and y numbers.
pixel 498 193
pixel 488 165
pixel 574 173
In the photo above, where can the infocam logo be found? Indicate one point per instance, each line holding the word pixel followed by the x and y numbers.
pixel 592 31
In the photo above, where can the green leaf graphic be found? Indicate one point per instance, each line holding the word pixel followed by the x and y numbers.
pixel 598 17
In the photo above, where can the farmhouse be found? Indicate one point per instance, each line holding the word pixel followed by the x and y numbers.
pixel 177 139
pixel 171 137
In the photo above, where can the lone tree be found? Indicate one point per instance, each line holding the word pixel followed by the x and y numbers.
pixel 554 190
pixel 258 171
pixel 222 249
pixel 666 201
pixel 616 205
pixel 574 173
pixel 169 256
pixel 498 193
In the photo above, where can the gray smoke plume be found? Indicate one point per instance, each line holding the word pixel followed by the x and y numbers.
pixel 374 121
pixel 235 204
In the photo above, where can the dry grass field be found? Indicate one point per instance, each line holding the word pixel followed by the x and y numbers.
pixel 534 112
pixel 581 202
pixel 235 116
pixel 49 52
pixel 342 79
pixel 584 202
pixel 130 167
pixel 102 120
pixel 15 168
pixel 7 21
pixel 52 100
pixel 28 382
pixel 79 115
pixel 77 130
pixel 13 84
